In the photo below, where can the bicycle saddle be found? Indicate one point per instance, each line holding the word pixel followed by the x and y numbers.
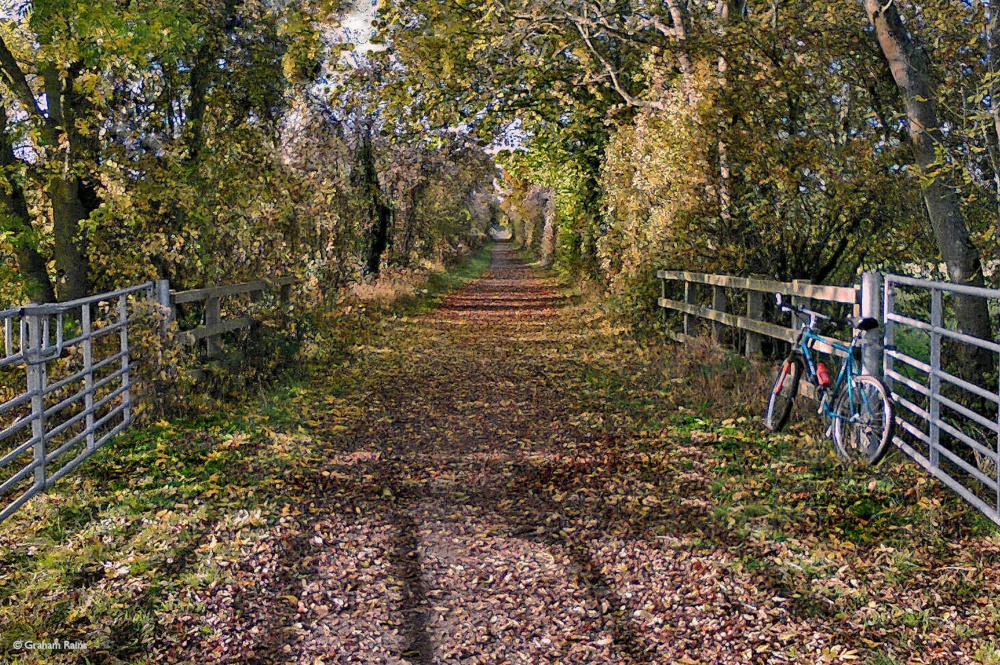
pixel 863 323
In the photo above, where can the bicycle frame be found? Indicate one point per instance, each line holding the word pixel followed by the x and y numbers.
pixel 861 429
pixel 848 370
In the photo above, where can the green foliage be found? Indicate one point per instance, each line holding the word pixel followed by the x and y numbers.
pixel 731 138
pixel 201 154
pixel 547 163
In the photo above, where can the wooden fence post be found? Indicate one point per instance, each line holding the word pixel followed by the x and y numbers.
pixel 285 296
pixel 755 312
pixel 719 304
pixel 689 300
pixel 871 306
pixel 213 316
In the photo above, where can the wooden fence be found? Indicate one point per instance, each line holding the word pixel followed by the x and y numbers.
pixel 213 325
pixel 862 299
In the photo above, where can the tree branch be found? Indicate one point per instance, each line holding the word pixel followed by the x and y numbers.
pixel 15 79
pixel 612 74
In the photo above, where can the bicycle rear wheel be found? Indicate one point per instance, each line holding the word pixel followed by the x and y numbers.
pixel 862 430
pixel 783 392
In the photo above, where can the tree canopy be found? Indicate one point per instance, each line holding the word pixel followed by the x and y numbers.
pixel 197 141
pixel 205 141
pixel 734 137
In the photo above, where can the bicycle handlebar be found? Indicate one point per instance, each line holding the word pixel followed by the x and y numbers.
pixel 813 316
pixel 863 324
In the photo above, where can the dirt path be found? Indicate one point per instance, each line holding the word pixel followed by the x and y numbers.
pixel 499 480
pixel 484 513
pixel 461 430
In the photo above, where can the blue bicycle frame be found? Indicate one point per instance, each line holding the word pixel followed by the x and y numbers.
pixel 847 371
pixel 860 428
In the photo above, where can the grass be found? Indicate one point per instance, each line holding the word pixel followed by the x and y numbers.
pixel 128 540
pixel 890 526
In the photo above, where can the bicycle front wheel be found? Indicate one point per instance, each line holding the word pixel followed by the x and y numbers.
pixel 783 392
pixel 862 429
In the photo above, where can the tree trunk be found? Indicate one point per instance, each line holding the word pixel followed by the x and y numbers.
pixel 57 133
pixel 410 223
pixel 993 55
pixel 730 12
pixel 202 73
pixel 683 58
pixel 30 263
pixel 910 70
pixel 67 213
pixel 380 237
pixel 14 217
pixel 380 214
pixel 548 229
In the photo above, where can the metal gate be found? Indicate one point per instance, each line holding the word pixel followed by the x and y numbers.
pixel 64 388
pixel 949 424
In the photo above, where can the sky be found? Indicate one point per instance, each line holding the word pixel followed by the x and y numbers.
pixel 356 27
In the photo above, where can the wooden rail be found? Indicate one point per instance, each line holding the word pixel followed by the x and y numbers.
pixel 214 326
pixel 752 320
pixel 801 292
pixel 800 288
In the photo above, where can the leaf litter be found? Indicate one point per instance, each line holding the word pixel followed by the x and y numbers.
pixel 504 479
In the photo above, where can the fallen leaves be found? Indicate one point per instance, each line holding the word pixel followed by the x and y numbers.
pixel 481 495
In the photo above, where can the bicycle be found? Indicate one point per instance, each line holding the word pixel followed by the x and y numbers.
pixel 857 406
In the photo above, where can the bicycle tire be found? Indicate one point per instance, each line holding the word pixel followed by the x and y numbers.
pixel 866 440
pixel 783 391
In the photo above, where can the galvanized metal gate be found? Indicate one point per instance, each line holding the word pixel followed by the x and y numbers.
pixel 949 424
pixel 64 388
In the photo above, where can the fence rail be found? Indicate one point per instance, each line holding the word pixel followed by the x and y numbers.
pixel 66 380
pixel 214 326
pixel 752 321
pixel 948 424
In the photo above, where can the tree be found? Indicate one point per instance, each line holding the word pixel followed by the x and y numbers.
pixel 911 72
pixel 68 193
pixel 15 220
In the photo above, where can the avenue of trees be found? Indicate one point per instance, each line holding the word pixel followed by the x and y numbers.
pixel 786 138
pixel 208 141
